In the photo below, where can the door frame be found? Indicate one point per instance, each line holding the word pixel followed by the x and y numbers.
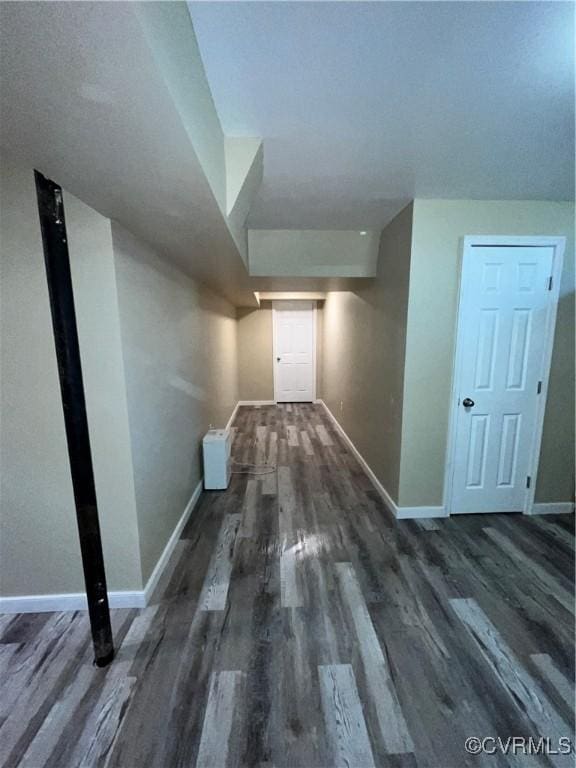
pixel 467 244
pixel 298 304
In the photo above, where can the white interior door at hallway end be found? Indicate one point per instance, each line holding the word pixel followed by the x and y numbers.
pixel 294 343
pixel 502 336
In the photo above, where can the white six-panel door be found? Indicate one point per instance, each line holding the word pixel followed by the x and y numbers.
pixel 503 322
pixel 293 349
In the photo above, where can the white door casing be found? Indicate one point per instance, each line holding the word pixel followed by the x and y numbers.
pixel 294 351
pixel 507 310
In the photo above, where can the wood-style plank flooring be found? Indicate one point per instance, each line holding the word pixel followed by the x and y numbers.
pixel 299 624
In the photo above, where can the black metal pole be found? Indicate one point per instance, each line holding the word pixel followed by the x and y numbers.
pixel 56 258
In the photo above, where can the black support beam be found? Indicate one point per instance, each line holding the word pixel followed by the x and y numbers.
pixel 56 258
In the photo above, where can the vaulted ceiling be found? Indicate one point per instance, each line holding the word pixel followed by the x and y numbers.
pixel 363 106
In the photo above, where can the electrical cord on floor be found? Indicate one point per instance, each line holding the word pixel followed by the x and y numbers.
pixel 255 469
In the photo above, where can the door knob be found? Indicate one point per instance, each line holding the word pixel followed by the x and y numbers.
pixel 467 403
pixel 277 359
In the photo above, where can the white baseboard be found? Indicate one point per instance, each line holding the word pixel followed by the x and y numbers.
pixel 375 482
pixel 256 402
pixel 418 513
pixel 70 601
pixel 232 416
pixel 76 601
pixel 553 508
pixel 400 513
pixel 172 541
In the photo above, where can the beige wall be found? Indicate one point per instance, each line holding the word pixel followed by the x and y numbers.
pixel 179 348
pixel 159 366
pixel 255 377
pixel 388 349
pixel 39 548
pixel 319 347
pixel 312 253
pixel 170 35
pixel 363 355
pixel 255 363
pixel 438 228
pixel 98 321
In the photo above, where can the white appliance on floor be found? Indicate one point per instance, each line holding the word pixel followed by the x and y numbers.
pixel 217 463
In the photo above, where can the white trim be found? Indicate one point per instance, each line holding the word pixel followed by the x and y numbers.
pixel 400 513
pixel 256 402
pixel 559 244
pixel 274 383
pixel 390 503
pixel 534 241
pixel 314 348
pixel 278 305
pixel 76 601
pixel 72 601
pixel 418 513
pixel 125 599
pixel 232 416
pixel 552 508
pixel 171 543
pixel 468 242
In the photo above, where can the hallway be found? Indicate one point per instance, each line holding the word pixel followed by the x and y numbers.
pixel 299 624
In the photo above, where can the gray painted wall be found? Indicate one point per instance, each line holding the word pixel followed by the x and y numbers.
pixel 364 338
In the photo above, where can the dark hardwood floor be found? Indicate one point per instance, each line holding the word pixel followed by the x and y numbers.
pixel 299 624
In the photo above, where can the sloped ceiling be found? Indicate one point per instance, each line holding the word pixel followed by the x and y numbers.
pixel 91 96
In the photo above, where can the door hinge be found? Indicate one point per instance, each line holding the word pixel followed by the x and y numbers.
pixel 528 481
pixel 550 283
pixel 539 390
